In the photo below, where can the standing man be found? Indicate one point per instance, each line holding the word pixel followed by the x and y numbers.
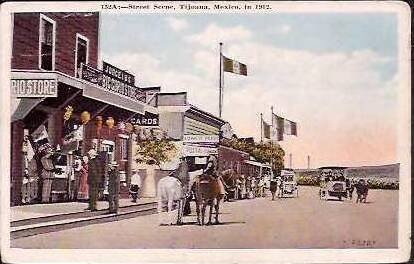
pixel 77 167
pixel 95 176
pixel 135 185
pixel 113 188
pixel 182 174
pixel 47 175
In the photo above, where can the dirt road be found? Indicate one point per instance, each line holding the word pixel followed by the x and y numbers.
pixel 304 222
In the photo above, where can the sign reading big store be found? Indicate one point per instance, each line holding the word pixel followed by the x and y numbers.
pixel 113 79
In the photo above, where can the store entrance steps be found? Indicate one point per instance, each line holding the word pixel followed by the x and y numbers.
pixel 60 221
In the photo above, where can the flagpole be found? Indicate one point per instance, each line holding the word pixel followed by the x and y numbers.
pixel 271 140
pixel 261 128
pixel 221 81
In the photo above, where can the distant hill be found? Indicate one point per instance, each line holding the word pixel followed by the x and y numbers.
pixel 390 171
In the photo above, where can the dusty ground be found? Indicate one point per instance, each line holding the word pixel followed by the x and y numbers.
pixel 304 222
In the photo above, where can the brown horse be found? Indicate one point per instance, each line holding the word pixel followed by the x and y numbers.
pixel 208 192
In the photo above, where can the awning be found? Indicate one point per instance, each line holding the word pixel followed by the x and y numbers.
pixel 88 90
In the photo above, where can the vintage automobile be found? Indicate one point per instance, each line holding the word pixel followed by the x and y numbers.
pixel 332 183
pixel 288 186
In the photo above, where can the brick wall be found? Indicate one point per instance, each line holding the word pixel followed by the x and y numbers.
pixel 25 54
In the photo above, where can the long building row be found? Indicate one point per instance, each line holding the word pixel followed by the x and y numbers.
pixel 66 98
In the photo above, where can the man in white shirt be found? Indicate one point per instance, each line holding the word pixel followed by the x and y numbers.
pixel 135 185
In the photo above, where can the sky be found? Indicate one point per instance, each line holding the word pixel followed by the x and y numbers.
pixel 335 74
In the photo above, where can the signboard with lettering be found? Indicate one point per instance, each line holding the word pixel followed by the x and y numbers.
pixel 148 119
pixel 91 74
pixel 114 80
pixel 191 150
pixel 117 73
pixel 201 138
pixel 34 87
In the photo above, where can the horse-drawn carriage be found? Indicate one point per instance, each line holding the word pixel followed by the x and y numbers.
pixel 288 186
pixel 332 183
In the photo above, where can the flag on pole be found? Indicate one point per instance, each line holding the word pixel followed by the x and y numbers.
pixel 290 128
pixel 233 66
pixel 266 129
pixel 278 127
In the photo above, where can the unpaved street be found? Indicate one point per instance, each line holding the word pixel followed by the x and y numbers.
pixel 304 222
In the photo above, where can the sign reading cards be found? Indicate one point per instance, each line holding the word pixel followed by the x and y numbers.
pixel 201 138
pixel 34 87
pixel 189 151
pixel 145 120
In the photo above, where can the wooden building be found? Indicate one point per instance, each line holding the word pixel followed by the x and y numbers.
pixel 55 65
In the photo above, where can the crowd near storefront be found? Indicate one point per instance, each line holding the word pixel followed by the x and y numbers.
pixel 70 108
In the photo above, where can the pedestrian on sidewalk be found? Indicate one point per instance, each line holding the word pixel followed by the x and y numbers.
pixel 83 192
pixel 47 175
pixel 113 187
pixel 135 185
pixel 95 176
pixel 77 168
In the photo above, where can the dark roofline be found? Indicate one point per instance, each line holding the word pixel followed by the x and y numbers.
pixel 332 167
pixel 210 115
pixel 151 88
pixel 172 93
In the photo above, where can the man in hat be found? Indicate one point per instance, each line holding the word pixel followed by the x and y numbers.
pixel 211 170
pixel 113 187
pixel 95 176
pixel 135 185
pixel 47 174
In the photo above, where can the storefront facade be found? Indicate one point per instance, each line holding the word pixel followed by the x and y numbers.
pixel 54 62
pixel 196 132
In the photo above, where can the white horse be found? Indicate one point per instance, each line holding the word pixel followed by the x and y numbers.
pixel 170 190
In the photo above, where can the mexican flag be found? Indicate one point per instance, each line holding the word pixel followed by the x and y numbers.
pixel 233 66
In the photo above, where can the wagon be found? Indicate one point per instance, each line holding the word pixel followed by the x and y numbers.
pixel 332 183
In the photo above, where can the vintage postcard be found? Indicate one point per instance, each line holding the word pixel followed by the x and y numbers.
pixel 205 132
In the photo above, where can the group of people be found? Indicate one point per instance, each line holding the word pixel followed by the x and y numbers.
pixel 361 187
pixel 249 187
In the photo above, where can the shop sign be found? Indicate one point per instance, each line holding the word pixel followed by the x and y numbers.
pixel 91 74
pixel 201 138
pixel 145 120
pixel 118 74
pixel 112 80
pixel 34 87
pixel 189 150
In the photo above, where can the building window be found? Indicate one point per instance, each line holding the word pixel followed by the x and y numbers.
pixel 47 39
pixel 82 52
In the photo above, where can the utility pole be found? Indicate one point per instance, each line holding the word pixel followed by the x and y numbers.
pixel 290 160
pixel 308 162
